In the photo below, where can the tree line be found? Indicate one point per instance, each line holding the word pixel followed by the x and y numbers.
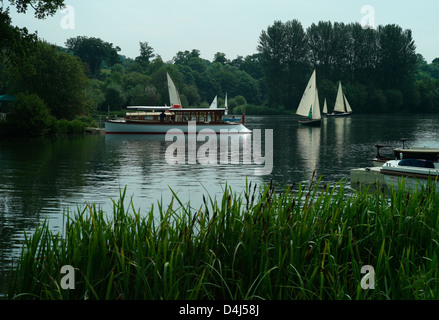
pixel 379 69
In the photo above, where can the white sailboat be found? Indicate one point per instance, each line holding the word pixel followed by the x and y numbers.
pixel 309 105
pixel 342 107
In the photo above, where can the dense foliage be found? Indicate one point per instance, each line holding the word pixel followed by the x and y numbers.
pixel 379 69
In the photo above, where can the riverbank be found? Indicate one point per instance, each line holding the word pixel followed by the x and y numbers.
pixel 301 243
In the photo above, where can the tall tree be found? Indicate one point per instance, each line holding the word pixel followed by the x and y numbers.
pixel 94 52
pixel 146 54
pixel 397 56
pixel 282 50
pixel 321 48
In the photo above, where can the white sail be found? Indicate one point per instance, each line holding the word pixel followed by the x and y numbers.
pixel 339 104
pixel 173 93
pixel 325 108
pixel 348 107
pixel 214 104
pixel 308 98
pixel 316 106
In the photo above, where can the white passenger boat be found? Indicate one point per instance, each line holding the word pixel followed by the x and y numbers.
pixel 415 172
pixel 161 119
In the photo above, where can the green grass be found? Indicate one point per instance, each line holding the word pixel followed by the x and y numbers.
pixel 300 243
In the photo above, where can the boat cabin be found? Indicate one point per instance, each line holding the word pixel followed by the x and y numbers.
pixel 417 153
pixel 177 116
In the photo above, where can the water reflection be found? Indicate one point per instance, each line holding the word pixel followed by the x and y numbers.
pixel 341 127
pixel 308 144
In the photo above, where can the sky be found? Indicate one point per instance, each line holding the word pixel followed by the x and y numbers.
pixel 232 27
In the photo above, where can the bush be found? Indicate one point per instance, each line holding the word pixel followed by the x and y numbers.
pixel 29 117
pixel 63 127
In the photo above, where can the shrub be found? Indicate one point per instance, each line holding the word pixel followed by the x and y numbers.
pixel 29 116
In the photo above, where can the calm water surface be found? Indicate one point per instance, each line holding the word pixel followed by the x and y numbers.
pixel 41 178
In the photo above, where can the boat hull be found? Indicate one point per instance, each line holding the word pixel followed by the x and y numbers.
pixel 414 177
pixel 123 127
pixel 346 114
pixel 311 123
pixel 409 183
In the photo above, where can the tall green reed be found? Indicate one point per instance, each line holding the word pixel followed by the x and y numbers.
pixel 296 243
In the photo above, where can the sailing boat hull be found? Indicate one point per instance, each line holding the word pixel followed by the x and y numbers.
pixel 311 123
pixel 345 114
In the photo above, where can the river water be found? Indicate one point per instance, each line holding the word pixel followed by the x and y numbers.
pixel 40 179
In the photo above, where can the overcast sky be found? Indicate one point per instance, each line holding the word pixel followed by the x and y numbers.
pixel 229 26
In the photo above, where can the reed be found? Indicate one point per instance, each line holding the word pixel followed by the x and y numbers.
pixel 299 243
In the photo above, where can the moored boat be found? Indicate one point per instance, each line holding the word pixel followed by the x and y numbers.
pixel 406 153
pixel 415 172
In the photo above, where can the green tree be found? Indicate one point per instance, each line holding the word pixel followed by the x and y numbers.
pixel 320 43
pixel 94 52
pixel 42 8
pixel 220 58
pixel 364 52
pixel 114 96
pixel 56 77
pixel 271 46
pixel 397 56
pixel 184 57
pixel 16 43
pixel 29 117
pixel 139 90
pixel 146 54
pixel 283 49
